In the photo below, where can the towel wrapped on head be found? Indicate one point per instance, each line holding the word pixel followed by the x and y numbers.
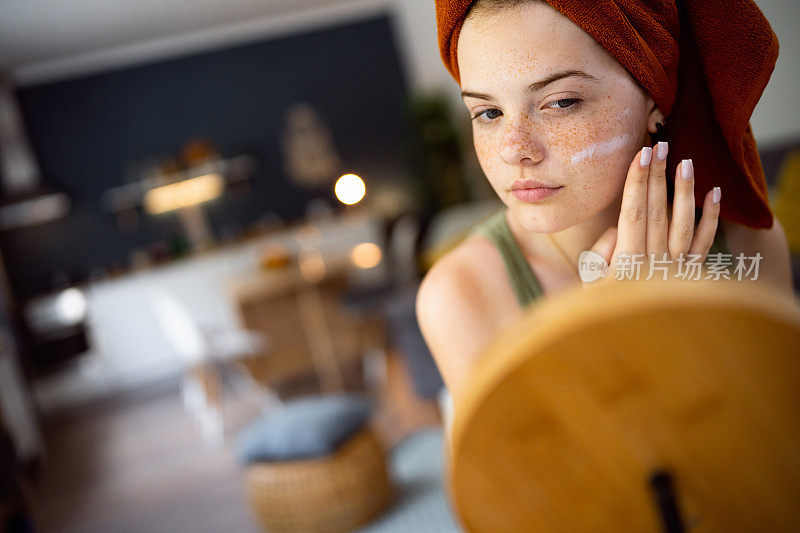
pixel 705 63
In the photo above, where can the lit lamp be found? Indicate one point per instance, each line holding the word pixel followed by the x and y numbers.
pixel 366 255
pixel 350 189
pixel 186 197
pixel 182 194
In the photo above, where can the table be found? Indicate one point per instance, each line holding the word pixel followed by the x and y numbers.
pixel 309 328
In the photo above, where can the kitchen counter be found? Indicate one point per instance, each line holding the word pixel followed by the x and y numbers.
pixel 129 347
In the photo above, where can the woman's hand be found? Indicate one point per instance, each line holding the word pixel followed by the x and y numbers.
pixel 644 232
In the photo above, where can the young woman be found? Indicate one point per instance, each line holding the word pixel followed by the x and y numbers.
pixel 565 126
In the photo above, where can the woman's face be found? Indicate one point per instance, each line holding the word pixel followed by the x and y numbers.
pixel 549 104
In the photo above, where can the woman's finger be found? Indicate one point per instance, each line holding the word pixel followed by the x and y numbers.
pixel 657 202
pixel 632 227
pixel 604 247
pixel 707 228
pixel 590 268
pixel 681 227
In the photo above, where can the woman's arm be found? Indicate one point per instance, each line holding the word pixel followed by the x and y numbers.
pixel 460 308
pixel 450 320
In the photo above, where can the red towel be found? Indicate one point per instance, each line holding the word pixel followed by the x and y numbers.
pixel 705 67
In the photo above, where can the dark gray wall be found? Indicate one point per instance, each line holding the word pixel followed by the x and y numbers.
pixel 86 131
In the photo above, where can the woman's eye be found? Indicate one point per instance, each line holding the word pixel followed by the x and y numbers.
pixel 488 115
pixel 563 103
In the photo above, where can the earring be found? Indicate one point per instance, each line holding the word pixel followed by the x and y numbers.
pixel 659 135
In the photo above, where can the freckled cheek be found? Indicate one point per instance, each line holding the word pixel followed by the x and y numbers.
pixel 593 180
pixel 573 139
pixel 596 175
pixel 597 151
pixel 599 182
pixel 487 149
pixel 605 174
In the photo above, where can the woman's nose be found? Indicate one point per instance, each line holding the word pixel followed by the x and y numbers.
pixel 520 144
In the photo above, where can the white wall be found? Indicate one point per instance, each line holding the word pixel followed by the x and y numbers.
pixel 777 115
pixel 416 25
pixel 150 47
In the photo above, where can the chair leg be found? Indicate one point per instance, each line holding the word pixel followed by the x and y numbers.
pixel 249 390
pixel 201 395
pixel 375 368
pixel 320 340
pixel 191 395
pixel 211 427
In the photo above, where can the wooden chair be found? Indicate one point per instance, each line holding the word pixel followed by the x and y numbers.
pixel 635 407
pixel 310 330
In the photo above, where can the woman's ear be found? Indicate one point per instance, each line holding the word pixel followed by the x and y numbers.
pixel 655 117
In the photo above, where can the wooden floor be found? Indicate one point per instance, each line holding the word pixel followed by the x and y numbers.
pixel 136 463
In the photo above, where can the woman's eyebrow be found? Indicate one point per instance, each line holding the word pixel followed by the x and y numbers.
pixel 473 94
pixel 538 85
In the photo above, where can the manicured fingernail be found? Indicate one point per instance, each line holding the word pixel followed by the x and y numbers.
pixel 716 195
pixel 647 155
pixel 661 150
pixel 687 169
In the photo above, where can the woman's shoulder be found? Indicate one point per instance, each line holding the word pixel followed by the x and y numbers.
pixel 775 263
pixel 462 302
pixel 469 277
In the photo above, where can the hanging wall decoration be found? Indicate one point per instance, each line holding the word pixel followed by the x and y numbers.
pixel 310 157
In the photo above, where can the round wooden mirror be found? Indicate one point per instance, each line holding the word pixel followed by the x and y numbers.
pixel 635 407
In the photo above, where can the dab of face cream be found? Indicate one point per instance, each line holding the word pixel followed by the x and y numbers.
pixel 601 148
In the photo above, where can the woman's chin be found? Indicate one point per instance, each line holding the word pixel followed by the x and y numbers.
pixel 541 219
pixel 557 214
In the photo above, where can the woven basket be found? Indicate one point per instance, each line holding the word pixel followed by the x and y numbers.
pixel 339 492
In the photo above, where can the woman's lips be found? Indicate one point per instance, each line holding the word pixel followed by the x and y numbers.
pixel 533 190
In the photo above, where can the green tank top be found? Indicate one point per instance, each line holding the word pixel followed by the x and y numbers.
pixel 523 281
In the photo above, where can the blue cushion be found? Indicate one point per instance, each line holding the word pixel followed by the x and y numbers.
pixel 307 427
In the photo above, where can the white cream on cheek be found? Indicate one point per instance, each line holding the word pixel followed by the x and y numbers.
pixel 608 146
pixel 602 148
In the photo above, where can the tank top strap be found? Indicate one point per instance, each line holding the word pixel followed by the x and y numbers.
pixel 524 282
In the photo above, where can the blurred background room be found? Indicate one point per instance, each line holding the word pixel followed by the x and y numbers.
pixel 213 220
